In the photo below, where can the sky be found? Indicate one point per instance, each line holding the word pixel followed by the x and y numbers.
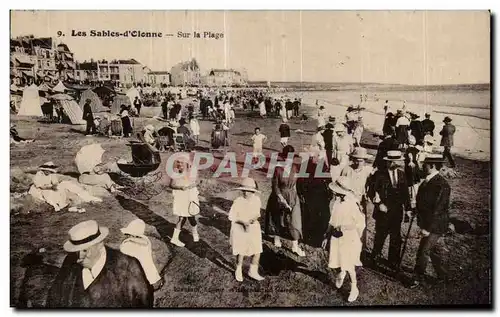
pixel 399 47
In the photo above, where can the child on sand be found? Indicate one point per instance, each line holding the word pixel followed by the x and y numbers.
pixel 138 245
pixel 344 231
pixel 258 140
pixel 246 237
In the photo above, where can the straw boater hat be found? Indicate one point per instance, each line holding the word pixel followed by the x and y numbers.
pixel 49 167
pixel 447 119
pixel 434 158
pixel 248 184
pixel 360 153
pixel 135 228
pixel 84 235
pixel 342 186
pixel 394 156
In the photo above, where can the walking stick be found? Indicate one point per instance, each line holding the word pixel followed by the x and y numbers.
pixel 406 241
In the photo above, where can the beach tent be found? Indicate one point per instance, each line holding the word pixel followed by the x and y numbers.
pixel 95 101
pixel 44 87
pixel 30 105
pixel 60 87
pixel 132 93
pixel 72 110
pixel 119 100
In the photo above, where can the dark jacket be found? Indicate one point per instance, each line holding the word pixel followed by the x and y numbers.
pixel 395 198
pixel 87 112
pixel 284 130
pixel 386 145
pixel 121 283
pixel 433 200
pixel 328 138
pixel 447 134
pixel 417 130
pixel 428 126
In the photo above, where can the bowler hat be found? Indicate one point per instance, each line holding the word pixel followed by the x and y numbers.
pixel 447 119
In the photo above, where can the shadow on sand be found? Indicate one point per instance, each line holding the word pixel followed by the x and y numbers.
pixel 201 249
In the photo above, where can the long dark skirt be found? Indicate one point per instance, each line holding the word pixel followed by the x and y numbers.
pixel 282 222
pixel 127 126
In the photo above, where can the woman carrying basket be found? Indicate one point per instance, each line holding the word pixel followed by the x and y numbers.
pixel 186 203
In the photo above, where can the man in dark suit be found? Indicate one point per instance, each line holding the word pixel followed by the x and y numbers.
pixel 428 125
pixel 447 140
pixel 391 200
pixel 138 105
pixel 388 143
pixel 96 276
pixel 433 200
pixel 88 116
pixel 328 138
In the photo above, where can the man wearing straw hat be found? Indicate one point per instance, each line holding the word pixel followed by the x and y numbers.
pixel 96 276
pixel 433 201
pixel 392 198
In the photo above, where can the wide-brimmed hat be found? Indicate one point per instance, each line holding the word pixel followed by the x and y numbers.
pixel 84 235
pixel 49 167
pixel 342 186
pixel 248 184
pixel 350 108
pixel 447 119
pixel 135 228
pixel 360 153
pixel 434 158
pixel 394 156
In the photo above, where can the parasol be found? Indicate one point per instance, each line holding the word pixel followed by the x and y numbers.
pixel 89 157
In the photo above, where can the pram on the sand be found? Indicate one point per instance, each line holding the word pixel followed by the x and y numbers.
pixel 141 175
pixel 219 138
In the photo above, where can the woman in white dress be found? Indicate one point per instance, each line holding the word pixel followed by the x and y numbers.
pixel 262 109
pixel 342 147
pixel 48 187
pixel 186 204
pixel 344 231
pixel 246 237
pixel 321 117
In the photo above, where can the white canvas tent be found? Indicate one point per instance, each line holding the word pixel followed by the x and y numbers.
pixel 132 93
pixel 30 105
pixel 60 87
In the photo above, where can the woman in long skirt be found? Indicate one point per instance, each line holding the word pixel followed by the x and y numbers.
pixel 344 231
pixel 245 237
pixel 283 214
pixel 186 203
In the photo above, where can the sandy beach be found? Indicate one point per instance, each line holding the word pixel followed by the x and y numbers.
pixel 202 274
